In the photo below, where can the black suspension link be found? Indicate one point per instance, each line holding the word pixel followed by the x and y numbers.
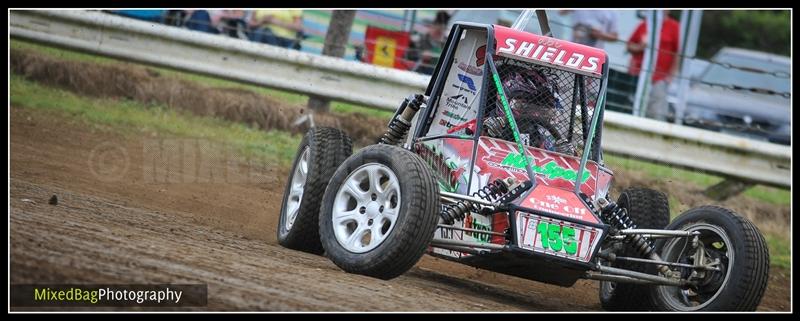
pixel 457 211
pixel 401 123
pixel 500 191
pixel 618 218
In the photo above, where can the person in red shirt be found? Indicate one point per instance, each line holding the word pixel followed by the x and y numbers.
pixel 666 63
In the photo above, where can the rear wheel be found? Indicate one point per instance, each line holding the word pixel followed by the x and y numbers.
pixel 320 153
pixel 648 209
pixel 728 242
pixel 379 212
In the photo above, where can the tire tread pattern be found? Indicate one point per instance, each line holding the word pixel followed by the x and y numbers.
pixel 329 148
pixel 648 209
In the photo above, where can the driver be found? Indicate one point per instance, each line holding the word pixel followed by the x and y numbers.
pixel 535 104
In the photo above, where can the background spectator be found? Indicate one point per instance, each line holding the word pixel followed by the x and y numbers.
pixel 230 22
pixel 176 17
pixel 594 27
pixel 200 20
pixel 147 15
pixel 277 27
pixel 666 63
pixel 227 22
pixel 427 49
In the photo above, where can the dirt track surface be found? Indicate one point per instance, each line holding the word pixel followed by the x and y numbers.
pixel 222 234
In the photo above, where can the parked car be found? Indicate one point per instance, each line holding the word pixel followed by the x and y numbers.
pixel 743 113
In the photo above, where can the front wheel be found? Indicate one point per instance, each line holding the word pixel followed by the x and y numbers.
pixel 649 209
pixel 728 242
pixel 379 212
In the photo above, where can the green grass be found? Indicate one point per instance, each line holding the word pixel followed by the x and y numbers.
pixel 131 117
pixel 780 254
pixel 675 207
pixel 284 96
pixel 345 108
pixel 667 173
pixel 769 194
pixel 661 172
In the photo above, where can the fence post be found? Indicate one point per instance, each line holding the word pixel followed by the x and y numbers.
pixel 336 39
pixel 689 49
pixel 727 188
pixel 650 56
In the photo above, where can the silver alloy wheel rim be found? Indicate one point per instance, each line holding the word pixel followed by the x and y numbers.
pixel 366 208
pixel 671 293
pixel 296 188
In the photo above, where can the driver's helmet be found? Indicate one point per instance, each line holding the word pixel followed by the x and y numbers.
pixel 533 99
pixel 530 89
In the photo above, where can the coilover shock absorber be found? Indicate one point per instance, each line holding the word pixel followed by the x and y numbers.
pixel 401 122
pixel 618 218
pixel 491 192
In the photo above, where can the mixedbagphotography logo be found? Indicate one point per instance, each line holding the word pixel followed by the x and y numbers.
pixel 195 160
pixel 109 162
pixel 118 295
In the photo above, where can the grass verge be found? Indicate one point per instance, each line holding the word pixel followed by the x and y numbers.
pixel 131 117
pixel 663 172
pixel 287 97
pixel 780 254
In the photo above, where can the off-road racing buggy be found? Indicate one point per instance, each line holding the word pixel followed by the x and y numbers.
pixel 449 178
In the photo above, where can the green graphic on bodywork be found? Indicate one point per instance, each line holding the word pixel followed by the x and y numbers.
pixel 444 184
pixel 474 224
pixel 511 120
pixel 550 170
pixel 445 169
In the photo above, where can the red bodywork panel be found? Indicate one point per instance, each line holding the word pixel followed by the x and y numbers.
pixel 555 177
pixel 497 158
pixel 554 52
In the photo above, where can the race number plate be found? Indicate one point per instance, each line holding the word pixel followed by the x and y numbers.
pixel 556 237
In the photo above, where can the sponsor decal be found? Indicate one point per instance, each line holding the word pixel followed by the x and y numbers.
pixel 456 86
pixel 459 98
pixel 545 205
pixel 549 50
pixel 468 81
pixel 480 56
pixel 560 202
pixel 472 70
pixel 454 116
pixel 457 102
pixel 471 222
pixel 556 199
pixel 515 161
pixel 446 233
pixel 446 124
pixel 448 171
pixel 468 128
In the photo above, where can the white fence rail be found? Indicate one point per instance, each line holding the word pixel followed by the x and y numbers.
pixel 369 85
